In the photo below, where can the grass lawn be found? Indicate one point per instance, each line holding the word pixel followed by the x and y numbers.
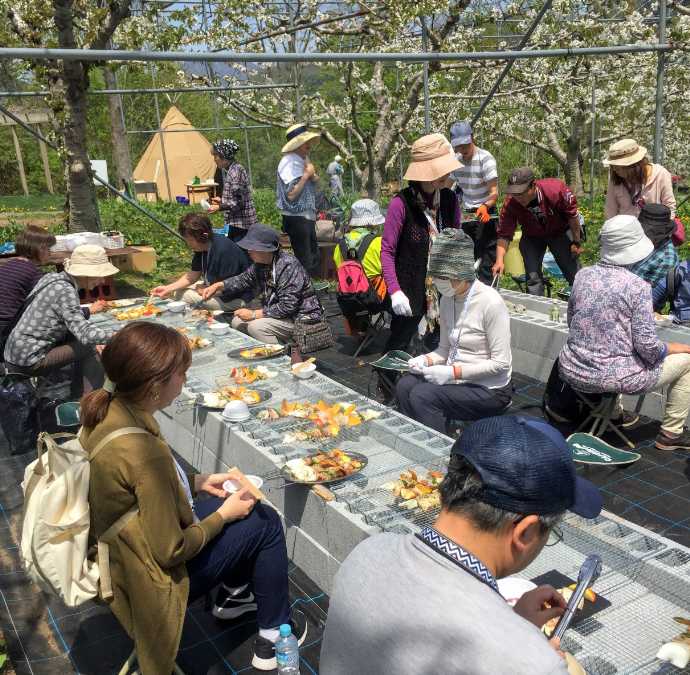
pixel 21 204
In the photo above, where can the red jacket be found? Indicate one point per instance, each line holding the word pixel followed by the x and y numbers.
pixel 557 205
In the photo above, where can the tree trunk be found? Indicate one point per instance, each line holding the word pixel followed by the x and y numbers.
pixel 372 180
pixel 573 165
pixel 83 210
pixel 121 155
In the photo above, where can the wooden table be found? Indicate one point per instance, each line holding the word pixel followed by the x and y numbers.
pixel 195 188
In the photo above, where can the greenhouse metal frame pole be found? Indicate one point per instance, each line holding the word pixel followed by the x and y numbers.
pixel 592 140
pixel 96 177
pixel 159 90
pixel 660 76
pixel 43 54
pixel 425 47
pixel 160 130
pixel 506 69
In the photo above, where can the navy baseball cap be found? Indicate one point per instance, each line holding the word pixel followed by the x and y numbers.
pixel 460 133
pixel 526 467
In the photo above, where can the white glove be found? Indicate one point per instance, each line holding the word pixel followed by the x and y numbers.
pixel 400 304
pixel 418 363
pixel 438 374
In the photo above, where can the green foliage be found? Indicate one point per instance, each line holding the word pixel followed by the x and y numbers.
pixel 32 203
pixel 266 210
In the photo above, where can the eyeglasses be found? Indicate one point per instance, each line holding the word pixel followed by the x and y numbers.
pixel 555 536
pixel 102 291
pixel 555 533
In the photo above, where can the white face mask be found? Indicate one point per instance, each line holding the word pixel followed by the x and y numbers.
pixel 445 288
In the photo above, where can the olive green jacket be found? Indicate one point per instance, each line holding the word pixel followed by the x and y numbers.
pixel 147 560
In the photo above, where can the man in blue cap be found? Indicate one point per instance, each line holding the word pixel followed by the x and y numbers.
pixel 476 184
pixel 429 603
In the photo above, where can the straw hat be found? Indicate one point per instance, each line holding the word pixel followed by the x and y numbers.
pixel 298 134
pixel 432 158
pixel 623 241
pixel 625 153
pixel 89 260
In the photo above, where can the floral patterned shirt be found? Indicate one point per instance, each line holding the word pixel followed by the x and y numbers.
pixel 612 345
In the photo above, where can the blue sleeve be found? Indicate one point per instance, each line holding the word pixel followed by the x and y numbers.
pixel 659 293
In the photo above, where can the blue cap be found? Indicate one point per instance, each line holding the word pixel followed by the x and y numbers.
pixel 460 133
pixel 526 467
pixel 285 630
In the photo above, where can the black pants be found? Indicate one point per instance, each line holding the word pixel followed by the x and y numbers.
pixel 533 250
pixel 403 329
pixel 484 237
pixel 302 233
pixel 236 233
pixel 435 404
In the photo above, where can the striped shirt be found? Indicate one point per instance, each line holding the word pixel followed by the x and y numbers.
pixel 473 178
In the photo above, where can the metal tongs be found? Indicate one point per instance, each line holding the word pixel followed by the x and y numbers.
pixel 589 573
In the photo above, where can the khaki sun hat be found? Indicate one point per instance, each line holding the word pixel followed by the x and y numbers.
pixel 89 260
pixel 625 153
pixel 298 134
pixel 432 158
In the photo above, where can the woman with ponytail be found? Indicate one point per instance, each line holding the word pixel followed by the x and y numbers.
pixel 176 548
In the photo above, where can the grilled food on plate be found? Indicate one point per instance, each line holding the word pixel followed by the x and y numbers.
pixel 250 374
pixel 218 398
pixel 324 466
pixel 261 352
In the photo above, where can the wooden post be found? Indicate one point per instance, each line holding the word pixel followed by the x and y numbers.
pixel 44 159
pixel 20 161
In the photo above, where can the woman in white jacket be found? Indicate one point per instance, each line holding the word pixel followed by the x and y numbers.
pixel 468 376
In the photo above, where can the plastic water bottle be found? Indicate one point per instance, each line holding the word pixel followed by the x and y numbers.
pixel 555 314
pixel 287 652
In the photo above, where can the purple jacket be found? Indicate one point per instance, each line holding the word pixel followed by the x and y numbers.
pixel 612 345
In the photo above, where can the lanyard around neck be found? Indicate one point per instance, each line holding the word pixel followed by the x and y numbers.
pixel 458 556
pixel 463 316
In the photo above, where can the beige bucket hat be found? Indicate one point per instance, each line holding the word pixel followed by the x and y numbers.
pixel 432 158
pixel 298 134
pixel 625 153
pixel 89 260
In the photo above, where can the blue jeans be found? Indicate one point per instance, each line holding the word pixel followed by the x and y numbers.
pixel 251 550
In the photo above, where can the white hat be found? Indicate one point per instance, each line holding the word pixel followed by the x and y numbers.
pixel 297 135
pixel 365 213
pixel 623 241
pixel 338 158
pixel 89 260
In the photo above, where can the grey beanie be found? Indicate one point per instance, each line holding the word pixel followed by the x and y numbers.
pixel 452 256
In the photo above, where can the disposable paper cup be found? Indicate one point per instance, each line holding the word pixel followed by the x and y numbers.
pixel 204 204
pixel 513 588
pixel 236 411
pixel 231 486
pixel 304 371
pixel 219 328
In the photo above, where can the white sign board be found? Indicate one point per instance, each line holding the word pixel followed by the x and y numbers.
pixel 100 168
